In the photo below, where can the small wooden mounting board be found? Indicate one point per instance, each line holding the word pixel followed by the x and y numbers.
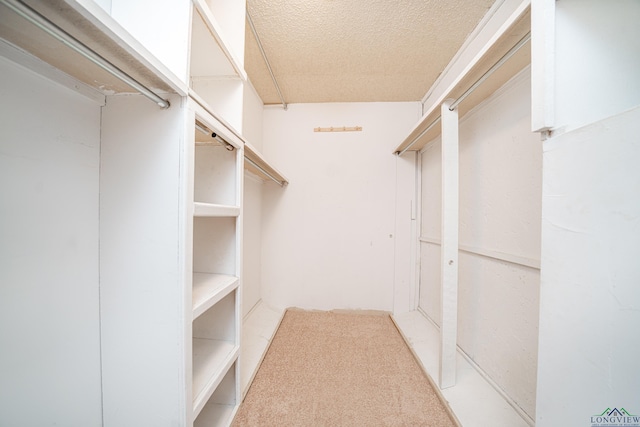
pixel 339 129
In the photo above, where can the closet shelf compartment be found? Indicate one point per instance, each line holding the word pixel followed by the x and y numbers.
pixel 89 24
pixel 212 359
pixel 258 165
pixel 216 414
pixel 223 404
pixel 216 121
pixel 210 288
pixel 215 210
pixel 211 53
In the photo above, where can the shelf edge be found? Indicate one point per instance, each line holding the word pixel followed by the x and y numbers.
pixel 215 297
pixel 201 209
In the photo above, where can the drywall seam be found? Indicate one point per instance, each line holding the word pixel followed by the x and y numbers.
pixel 488 253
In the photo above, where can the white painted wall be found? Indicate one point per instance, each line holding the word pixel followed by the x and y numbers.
pixel 430 225
pixel 231 18
pixel 597 48
pixel 405 296
pixel 252 205
pixel 590 298
pixel 328 236
pixel 252 238
pixel 49 305
pixel 162 27
pixel 500 194
pixel 225 96
pixel 252 116
pixel 105 4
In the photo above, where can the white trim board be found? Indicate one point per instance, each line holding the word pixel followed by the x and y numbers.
pixel 258 329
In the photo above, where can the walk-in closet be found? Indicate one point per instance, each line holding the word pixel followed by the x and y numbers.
pixel 176 178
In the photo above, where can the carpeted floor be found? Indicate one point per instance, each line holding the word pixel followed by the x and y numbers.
pixel 340 369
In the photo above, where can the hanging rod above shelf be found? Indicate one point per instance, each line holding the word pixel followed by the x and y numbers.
pixel 255 160
pixel 477 82
pixel 62 36
pixel 215 138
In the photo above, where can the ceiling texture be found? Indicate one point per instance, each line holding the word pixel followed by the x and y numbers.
pixel 355 50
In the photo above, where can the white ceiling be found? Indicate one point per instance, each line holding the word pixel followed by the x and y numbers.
pixel 355 50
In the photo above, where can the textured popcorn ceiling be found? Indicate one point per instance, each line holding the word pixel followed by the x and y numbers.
pixel 356 50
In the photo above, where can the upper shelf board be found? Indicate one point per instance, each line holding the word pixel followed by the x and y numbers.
pixel 263 169
pixel 99 32
pixel 511 36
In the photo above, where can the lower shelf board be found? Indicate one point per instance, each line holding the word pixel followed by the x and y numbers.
pixel 215 414
pixel 215 210
pixel 209 288
pixel 211 361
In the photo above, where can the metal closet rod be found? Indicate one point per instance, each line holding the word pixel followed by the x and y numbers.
pixel 491 70
pixel 266 60
pixel 277 181
pixel 432 124
pixel 215 136
pixel 61 35
pixel 473 87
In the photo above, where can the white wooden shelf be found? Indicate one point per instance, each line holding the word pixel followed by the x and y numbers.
pixel 259 166
pixel 209 288
pixel 211 361
pixel 214 210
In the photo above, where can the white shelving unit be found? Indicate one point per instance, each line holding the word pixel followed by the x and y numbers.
pixel 217 80
pixel 168 199
pixel 216 69
pixel 216 165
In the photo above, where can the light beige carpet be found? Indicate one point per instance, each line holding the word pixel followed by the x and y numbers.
pixel 340 369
